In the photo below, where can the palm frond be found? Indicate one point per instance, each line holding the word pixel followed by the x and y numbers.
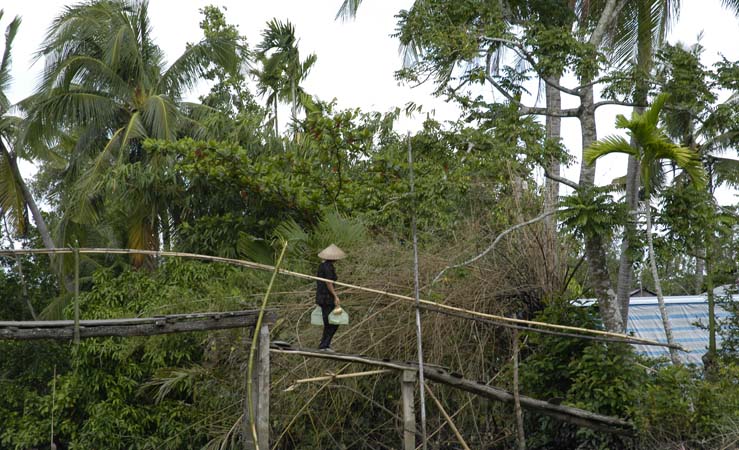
pixel 10 32
pixel 12 201
pixel 337 229
pixel 651 115
pixel 160 117
pixel 55 309
pixel 686 159
pixel 88 73
pixel 640 28
pixel 74 108
pixel 348 10
pixel 608 145
pixel 170 380
pixel 726 171
pixel 134 130
pixel 194 62
pixel 732 5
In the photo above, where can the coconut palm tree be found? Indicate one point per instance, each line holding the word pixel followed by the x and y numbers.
pixel 107 82
pixel 651 145
pixel 281 71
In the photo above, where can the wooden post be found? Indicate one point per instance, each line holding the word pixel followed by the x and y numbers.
pixel 260 399
pixel 407 386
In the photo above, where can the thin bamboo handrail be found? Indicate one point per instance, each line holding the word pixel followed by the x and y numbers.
pixel 238 262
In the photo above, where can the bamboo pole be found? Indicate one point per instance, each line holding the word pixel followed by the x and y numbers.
pixel 517 395
pixel 76 297
pixel 252 350
pixel 417 299
pixel 503 321
pixel 448 419
pixel 337 377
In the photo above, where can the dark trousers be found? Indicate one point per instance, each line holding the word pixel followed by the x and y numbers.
pixel 328 329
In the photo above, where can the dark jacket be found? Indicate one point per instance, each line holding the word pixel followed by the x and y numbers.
pixel 323 295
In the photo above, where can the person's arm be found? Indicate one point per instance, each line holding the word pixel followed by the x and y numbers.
pixel 330 287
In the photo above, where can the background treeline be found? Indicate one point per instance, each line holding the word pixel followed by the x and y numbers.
pixel 123 161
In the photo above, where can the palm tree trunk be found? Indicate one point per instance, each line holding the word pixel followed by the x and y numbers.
pixel 294 99
pixel 658 288
pixel 644 63
pixel 274 107
pixel 625 269
pixel 700 267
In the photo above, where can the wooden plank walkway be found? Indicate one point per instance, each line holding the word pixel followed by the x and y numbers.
pixel 149 326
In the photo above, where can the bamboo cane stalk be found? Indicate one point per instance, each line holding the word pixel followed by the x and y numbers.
pixel 447 418
pixel 503 320
pixel 516 394
pixel 341 376
pixel 252 350
pixel 417 299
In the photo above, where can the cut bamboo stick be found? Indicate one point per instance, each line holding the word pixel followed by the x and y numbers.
pixel 501 319
pixel 447 418
pixel 342 376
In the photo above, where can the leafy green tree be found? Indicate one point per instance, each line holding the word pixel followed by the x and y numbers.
pixel 697 121
pixel 652 146
pixel 635 39
pixel 107 82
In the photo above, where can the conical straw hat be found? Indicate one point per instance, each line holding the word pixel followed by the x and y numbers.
pixel 332 252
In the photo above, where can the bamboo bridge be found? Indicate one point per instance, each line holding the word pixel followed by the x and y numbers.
pixel 407 370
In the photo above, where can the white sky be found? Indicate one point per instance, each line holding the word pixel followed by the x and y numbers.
pixel 356 60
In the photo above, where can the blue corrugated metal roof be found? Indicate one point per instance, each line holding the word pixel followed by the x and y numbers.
pixel 684 312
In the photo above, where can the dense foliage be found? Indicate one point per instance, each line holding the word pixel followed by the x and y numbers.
pixel 123 161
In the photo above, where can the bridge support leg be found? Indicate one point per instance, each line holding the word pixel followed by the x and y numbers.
pixel 260 396
pixel 407 388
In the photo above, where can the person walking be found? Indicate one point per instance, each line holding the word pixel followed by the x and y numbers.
pixel 326 296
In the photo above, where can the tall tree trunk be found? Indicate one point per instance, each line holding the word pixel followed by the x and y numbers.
pixel 551 187
pixel 294 99
pixel 607 304
pixel 658 287
pixel 553 130
pixel 595 250
pixel 625 266
pixel 589 135
pixel 644 62
pixel 700 268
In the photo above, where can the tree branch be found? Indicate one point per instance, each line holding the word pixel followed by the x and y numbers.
pixel 616 102
pixel 563 180
pixel 532 110
pixel 495 242
pixel 523 53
